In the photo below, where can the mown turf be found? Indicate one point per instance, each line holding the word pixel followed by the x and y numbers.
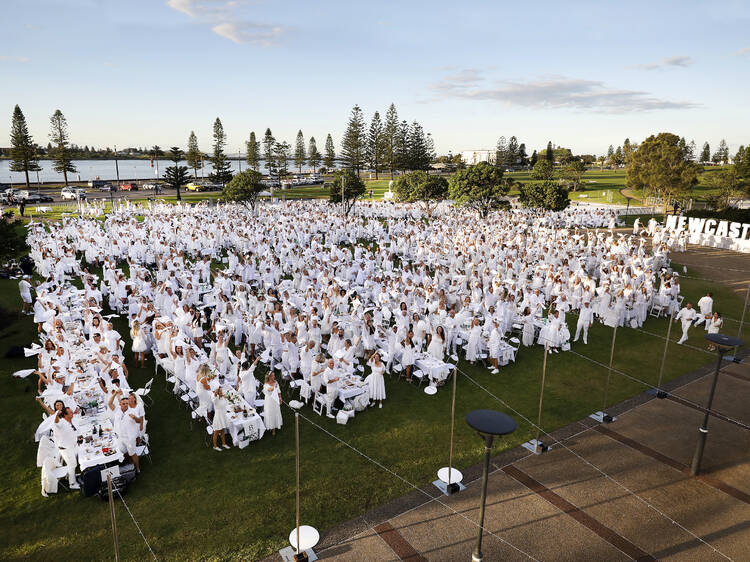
pixel 195 503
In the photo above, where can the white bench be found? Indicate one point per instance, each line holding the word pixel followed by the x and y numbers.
pixel 44 209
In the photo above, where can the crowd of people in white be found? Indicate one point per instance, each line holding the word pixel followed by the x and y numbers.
pixel 320 300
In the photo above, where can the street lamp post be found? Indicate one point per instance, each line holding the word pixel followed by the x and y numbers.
pixel 723 345
pixel 488 424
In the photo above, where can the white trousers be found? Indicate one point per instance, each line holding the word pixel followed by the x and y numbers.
pixel 69 456
pixel 685 329
pixel 585 327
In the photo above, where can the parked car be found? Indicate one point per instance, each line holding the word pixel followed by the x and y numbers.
pixel 108 187
pixel 129 186
pixel 73 193
pixel 196 186
pixel 154 186
pixel 97 183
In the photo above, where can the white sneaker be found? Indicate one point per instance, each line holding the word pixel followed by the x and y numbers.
pixel 75 486
pixel 226 446
pixel 217 449
pixel 330 416
pixel 381 405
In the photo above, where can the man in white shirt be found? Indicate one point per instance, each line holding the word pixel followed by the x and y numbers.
pixel 330 379
pixel 127 427
pixel 686 316
pixel 24 288
pixel 706 306
pixel 585 321
pixel 66 439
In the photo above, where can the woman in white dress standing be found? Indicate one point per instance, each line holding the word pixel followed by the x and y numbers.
pixel 528 328
pixel 714 325
pixel 203 390
pixel 437 344
pixel 272 404
pixel 473 347
pixel 375 380
pixel 221 420
pixel 407 355
pixel 139 343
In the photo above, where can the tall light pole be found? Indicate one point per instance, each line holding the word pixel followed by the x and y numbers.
pixel 117 168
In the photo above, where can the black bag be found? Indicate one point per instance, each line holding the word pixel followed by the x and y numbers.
pixel 14 352
pixel 90 481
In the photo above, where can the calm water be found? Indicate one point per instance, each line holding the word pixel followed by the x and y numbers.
pixel 105 170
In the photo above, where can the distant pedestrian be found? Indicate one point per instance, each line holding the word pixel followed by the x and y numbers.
pixel 21 207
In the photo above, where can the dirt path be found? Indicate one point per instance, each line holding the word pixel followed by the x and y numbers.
pixel 723 266
pixel 625 192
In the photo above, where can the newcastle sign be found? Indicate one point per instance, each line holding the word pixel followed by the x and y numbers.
pixel 711 232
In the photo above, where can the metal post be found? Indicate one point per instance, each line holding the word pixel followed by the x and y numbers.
pixel 664 355
pixel 541 396
pixel 703 430
pixel 609 372
pixel 296 441
pixel 117 168
pixel 477 556
pixel 453 422
pixel 744 308
pixel 343 181
pixel 112 517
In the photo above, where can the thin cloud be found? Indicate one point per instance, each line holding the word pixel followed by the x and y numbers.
pixel 741 52
pixel 14 58
pixel 224 19
pixel 680 61
pixel 553 93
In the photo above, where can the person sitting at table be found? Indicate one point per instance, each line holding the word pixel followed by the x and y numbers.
pixel 331 379
pixel 375 380
pixel 272 404
pixel 66 439
pixel 126 425
pixel 136 408
pixel 221 420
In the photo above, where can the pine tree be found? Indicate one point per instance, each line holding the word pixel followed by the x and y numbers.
pixel 722 153
pixel 63 160
pixel 692 151
pixel 501 152
pixel 300 156
pixel 706 152
pixel 374 146
pixel 534 158
pixel 313 155
pixel 22 148
pixel 353 142
pixel 419 156
pixel 330 158
pixel 511 154
pixel 268 143
pixel 194 156
pixel 176 176
pixel 401 147
pixel 390 130
pixel 550 154
pixel 281 154
pixel 222 168
pixel 253 152
pixel 522 156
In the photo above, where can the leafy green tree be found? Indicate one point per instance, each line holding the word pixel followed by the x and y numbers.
pixel 390 132
pixel 374 147
pixel 245 187
pixel 63 160
pixel 543 170
pixel 659 168
pixel 353 142
pixel 194 156
pixel 23 151
pixel 706 152
pixel 421 187
pixel 550 154
pixel 222 168
pixel 481 187
pixel 722 153
pixel 627 152
pixel 727 182
pixel 534 159
pixel 547 194
pixel 330 158
pixel 253 152
pixel 176 176
pixel 300 155
pixel 573 173
pixel 282 153
pixel 353 189
pixel 313 155
pixel 742 165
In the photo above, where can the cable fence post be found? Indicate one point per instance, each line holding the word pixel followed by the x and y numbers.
pixel 112 517
pixel 659 392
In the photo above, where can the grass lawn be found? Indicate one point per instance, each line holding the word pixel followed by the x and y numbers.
pixel 195 503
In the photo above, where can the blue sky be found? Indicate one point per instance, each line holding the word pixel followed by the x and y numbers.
pixel 582 74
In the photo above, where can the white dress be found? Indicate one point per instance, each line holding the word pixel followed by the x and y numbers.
pixel 221 421
pixel 436 348
pixel 272 406
pixel 473 347
pixel 407 355
pixel 139 341
pixel 528 330
pixel 376 383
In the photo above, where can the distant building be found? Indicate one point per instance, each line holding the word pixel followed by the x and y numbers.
pixel 471 157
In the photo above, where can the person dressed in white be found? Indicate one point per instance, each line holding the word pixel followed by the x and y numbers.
pixel 714 325
pixel 221 420
pixel 494 345
pixel 272 404
pixel 24 288
pixel 247 384
pixel 375 380
pixel 585 321
pixel 331 380
pixel 705 305
pixel 139 343
pixel 66 437
pixel 686 316
pixel 528 328
pixel 127 427
pixel 474 346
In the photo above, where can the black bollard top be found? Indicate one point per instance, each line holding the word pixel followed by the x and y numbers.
pixel 491 422
pixel 724 341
